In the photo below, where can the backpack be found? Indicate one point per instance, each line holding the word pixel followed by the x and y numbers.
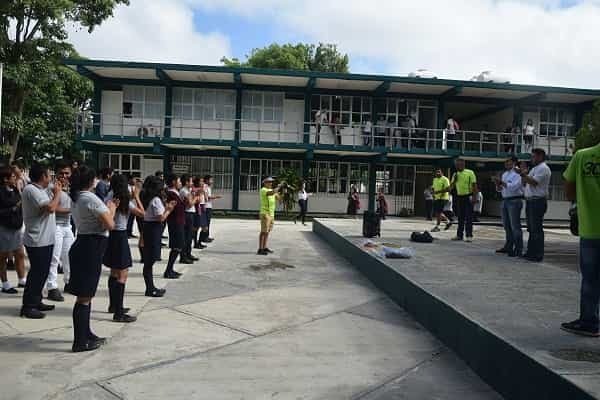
pixel 424 237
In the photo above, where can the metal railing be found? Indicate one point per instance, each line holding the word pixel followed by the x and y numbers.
pixel 380 137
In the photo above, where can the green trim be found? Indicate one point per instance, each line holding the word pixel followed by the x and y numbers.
pixel 372 184
pixel 83 71
pixel 452 92
pixel 164 77
pixel 235 198
pixel 382 89
pixel 331 75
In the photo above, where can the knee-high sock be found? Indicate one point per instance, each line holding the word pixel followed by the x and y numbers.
pixel 120 289
pixel 172 257
pixel 148 278
pixel 81 323
pixel 112 292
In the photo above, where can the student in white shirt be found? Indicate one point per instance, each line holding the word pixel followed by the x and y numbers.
pixel 208 207
pixel 528 134
pixel 302 203
pixel 366 131
pixel 512 203
pixel 478 207
pixel 320 120
pixel 536 183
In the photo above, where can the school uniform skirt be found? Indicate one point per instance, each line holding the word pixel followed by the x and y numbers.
pixel 176 235
pixel 118 254
pixel 10 239
pixel 152 240
pixel 85 257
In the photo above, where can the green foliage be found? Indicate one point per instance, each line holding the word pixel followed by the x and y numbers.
pixel 306 57
pixel 33 41
pixel 589 134
pixel 292 183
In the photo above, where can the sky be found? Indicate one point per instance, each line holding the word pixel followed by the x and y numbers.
pixel 545 42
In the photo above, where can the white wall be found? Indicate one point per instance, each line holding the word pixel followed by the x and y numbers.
pixel 290 130
pixel 557 210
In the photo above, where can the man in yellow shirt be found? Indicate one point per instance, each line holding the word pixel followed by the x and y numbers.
pixel 465 183
pixel 268 197
pixel 440 182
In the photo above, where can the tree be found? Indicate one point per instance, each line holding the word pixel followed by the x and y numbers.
pixel 306 57
pixel 33 41
pixel 589 134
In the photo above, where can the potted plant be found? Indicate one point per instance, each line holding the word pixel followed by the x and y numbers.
pixel 291 184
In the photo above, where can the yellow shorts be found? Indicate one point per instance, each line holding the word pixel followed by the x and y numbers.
pixel 266 223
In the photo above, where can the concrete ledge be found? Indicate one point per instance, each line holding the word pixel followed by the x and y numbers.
pixel 505 367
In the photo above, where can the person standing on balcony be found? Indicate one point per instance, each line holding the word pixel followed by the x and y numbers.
pixel 536 184
pixel 528 134
pixel 512 203
pixel 103 186
pixel 40 226
pixel 440 182
pixel 465 183
pixel 428 195
pixel 380 131
pixel 582 184
pixel 451 127
pixel 336 130
pixel 367 131
pixel 320 121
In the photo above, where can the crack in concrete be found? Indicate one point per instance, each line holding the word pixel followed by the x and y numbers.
pixel 109 390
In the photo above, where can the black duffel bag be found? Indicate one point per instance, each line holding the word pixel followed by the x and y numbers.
pixel 421 237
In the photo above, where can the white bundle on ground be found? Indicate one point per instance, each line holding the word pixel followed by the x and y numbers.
pixel 396 252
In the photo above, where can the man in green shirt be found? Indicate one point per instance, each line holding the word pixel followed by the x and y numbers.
pixel 465 183
pixel 582 183
pixel 268 197
pixel 440 182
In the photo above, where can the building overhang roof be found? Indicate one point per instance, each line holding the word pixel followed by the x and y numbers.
pixel 182 75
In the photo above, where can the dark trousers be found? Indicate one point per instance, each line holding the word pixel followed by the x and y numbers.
pixel 130 224
pixel 511 220
pixel 188 234
pixel 464 211
pixel 589 263
pixel 39 259
pixel 535 210
pixel 429 209
pixel 303 204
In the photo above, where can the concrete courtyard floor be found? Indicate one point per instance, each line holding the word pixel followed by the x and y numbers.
pixel 299 324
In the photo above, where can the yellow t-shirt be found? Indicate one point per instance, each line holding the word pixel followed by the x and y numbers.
pixel 441 183
pixel 464 181
pixel 267 203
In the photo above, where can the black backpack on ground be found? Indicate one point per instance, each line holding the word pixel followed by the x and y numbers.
pixel 419 237
pixel 371 224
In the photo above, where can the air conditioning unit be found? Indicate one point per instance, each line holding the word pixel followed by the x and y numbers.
pixel 422 73
pixel 490 76
pixel 148 131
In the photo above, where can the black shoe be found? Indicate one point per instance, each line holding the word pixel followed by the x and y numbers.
pixel 448 226
pixel 67 288
pixel 87 346
pixel 186 260
pixel 534 259
pixel 155 293
pixel 11 290
pixel 268 250
pixel 502 251
pixel 578 328
pixel 54 295
pixel 10 264
pixel 200 246
pixel 32 313
pixel 125 318
pixel 60 270
pixel 171 275
pixel 209 240
pixel 261 252
pixel 193 258
pixel 20 285
pixel 45 307
pixel 111 310
pixel 98 339
pixel 514 254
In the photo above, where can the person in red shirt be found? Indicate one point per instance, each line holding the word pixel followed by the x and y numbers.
pixel 176 223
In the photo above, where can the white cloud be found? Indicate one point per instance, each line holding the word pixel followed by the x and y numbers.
pixel 534 42
pixel 152 30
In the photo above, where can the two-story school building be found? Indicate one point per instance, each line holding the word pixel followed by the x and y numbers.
pixel 335 129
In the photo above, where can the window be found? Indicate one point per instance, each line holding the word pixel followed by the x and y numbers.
pixel 145 102
pixel 203 104
pixel 556 188
pixel 423 110
pixel 337 177
pixel 220 168
pixel 252 171
pixel 344 110
pixel 262 106
pixel 128 164
pixel 397 180
pixel 556 122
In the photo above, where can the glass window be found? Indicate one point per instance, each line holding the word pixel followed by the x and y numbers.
pixel 556 122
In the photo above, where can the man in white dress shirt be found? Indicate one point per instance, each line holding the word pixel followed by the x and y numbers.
pixel 512 203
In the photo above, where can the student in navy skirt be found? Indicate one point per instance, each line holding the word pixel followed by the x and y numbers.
pixel 155 214
pixel 93 219
pixel 118 255
pixel 176 224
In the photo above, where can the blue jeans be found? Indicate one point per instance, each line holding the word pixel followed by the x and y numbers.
pixel 464 210
pixel 511 219
pixel 535 210
pixel 589 263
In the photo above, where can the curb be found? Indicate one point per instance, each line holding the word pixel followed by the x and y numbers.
pixel 506 368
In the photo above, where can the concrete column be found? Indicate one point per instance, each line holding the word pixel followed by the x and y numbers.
pixel 97 107
pixel 238 117
pixel 168 111
pixel 372 188
pixel 306 126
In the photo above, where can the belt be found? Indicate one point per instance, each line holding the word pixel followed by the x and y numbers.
pixel 535 198
pixel 514 198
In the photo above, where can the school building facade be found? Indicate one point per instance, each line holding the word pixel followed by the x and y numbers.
pixel 336 130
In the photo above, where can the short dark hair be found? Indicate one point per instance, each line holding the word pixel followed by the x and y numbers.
pixel 62 164
pixel 513 159
pixel 18 163
pixel 82 178
pixel 5 173
pixel 458 159
pixel 185 178
pixel 207 178
pixel 37 171
pixel 539 152
pixel 105 172
pixel 170 178
pixel 159 173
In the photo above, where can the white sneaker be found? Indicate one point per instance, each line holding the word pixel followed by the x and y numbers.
pixel 469 239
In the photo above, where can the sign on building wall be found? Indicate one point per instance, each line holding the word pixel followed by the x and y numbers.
pixel 180 168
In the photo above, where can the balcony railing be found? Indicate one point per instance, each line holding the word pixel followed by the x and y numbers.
pixel 377 137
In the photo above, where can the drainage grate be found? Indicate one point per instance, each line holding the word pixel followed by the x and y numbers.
pixel 273 265
pixel 592 356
